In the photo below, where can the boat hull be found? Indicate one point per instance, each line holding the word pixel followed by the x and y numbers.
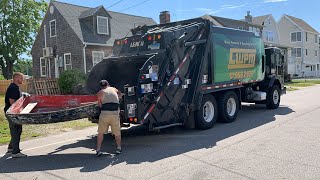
pixel 53 114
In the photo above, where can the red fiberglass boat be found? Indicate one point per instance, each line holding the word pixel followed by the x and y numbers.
pixel 39 109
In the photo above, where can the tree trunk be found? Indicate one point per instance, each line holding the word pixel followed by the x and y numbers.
pixel 7 69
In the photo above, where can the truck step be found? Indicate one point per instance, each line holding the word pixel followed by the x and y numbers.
pixel 166 126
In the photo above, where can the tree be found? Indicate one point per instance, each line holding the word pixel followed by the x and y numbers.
pixel 19 22
pixel 24 66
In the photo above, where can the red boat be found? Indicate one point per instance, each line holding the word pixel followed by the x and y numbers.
pixel 39 109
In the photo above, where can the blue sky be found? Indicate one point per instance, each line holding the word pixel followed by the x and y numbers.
pixel 235 9
pixel 308 10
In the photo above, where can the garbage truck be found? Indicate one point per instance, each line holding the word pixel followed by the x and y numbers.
pixel 190 73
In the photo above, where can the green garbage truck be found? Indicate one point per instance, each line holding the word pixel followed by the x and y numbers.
pixel 190 73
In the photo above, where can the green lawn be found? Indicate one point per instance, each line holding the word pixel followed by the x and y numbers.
pixel 301 83
pixel 32 131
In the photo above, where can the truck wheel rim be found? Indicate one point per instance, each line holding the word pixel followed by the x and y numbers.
pixel 275 97
pixel 208 111
pixel 231 106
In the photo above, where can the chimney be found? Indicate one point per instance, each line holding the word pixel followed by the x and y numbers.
pixel 248 17
pixel 164 17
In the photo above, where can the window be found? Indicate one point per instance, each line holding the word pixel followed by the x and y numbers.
pixel 97 56
pixel 296 37
pixel 268 35
pixel 102 25
pixel 315 53
pixel 306 52
pixel 43 67
pixel 318 67
pixel 53 28
pixel 316 38
pixel 67 61
pixel 306 36
pixel 296 52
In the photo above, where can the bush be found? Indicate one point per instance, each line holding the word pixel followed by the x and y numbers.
pixel 69 79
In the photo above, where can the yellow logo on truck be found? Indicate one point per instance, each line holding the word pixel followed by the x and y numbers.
pixel 242 58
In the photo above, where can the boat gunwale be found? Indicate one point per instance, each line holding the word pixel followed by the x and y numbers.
pixel 49 112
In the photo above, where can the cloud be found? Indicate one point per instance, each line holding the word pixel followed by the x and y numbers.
pixel 274 1
pixel 223 7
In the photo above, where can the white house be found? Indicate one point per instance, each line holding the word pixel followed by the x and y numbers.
pixel 304 40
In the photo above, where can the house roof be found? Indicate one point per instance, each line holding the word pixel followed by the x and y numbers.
pixel 226 21
pixel 120 24
pixel 302 24
pixel 260 19
pixel 89 12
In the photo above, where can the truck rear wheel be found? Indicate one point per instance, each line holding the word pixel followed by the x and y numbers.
pixel 273 97
pixel 207 115
pixel 228 107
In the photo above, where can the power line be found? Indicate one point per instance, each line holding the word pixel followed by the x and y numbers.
pixel 134 5
pixel 114 4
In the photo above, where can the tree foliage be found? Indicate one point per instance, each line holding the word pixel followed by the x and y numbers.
pixel 19 22
pixel 24 66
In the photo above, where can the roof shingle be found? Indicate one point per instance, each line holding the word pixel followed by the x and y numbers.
pixel 120 24
pixel 302 24
pixel 260 19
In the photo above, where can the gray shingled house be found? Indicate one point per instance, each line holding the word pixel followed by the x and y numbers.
pixel 77 37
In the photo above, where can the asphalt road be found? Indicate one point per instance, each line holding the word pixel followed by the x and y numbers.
pixel 260 144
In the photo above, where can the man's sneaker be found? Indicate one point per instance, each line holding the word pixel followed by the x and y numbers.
pixel 19 155
pixel 9 151
pixel 98 153
pixel 118 151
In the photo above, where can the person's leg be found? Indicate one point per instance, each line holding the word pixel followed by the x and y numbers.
pixel 99 141
pixel 15 138
pixel 10 144
pixel 19 132
pixel 102 128
pixel 116 130
pixel 118 141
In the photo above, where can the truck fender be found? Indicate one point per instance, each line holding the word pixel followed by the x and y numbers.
pixel 271 82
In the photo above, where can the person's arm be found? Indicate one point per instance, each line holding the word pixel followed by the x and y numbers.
pixel 11 101
pixel 118 93
pixel 99 97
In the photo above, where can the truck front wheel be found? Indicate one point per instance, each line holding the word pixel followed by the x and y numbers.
pixel 228 107
pixel 273 97
pixel 207 115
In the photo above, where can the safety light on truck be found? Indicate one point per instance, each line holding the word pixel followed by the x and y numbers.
pixel 118 42
pixel 149 38
pixel 126 41
pixel 159 36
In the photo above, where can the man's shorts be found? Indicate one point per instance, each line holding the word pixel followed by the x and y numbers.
pixel 109 118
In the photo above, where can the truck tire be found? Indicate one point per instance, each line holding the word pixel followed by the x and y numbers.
pixel 228 107
pixel 273 97
pixel 207 115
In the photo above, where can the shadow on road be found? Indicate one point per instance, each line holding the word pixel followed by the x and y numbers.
pixel 141 146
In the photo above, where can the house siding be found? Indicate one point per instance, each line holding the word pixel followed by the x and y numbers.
pixel 271 25
pixel 89 60
pixel 66 41
pixel 299 66
pixel 286 27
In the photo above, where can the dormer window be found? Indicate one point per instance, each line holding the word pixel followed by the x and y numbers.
pixel 52 28
pixel 102 25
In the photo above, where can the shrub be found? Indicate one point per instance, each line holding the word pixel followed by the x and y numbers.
pixel 69 79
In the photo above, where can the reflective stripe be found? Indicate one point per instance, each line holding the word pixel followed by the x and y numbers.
pixel 145 117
